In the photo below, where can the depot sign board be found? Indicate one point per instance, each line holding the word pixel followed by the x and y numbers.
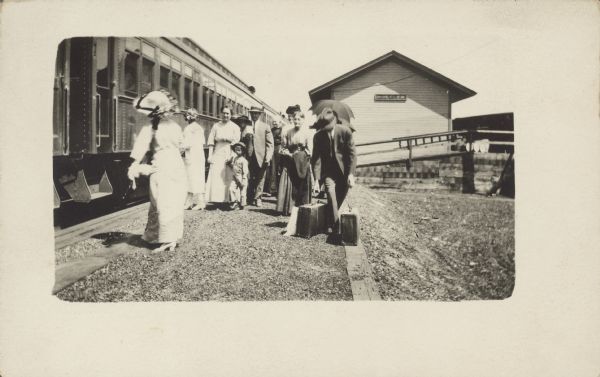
pixel 390 97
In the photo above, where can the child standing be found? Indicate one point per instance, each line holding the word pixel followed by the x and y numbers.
pixel 239 166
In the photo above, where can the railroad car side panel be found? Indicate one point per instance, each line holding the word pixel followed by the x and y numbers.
pixel 80 98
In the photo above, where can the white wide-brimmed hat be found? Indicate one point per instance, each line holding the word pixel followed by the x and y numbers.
pixel 154 103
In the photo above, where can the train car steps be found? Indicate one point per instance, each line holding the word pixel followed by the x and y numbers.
pixel 82 192
pixel 56 198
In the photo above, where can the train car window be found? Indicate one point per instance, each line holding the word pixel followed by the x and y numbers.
pixel 131 73
pixel 187 87
pixel 195 93
pixel 211 100
pixel 188 71
pixel 102 123
pixel 102 62
pixel 205 100
pixel 147 76
pixel 175 84
pixel 148 50
pixel 164 78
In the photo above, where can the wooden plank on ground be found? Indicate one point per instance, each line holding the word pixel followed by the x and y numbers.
pixel 360 274
pixel 70 272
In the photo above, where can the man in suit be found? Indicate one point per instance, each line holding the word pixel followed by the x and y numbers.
pixel 258 159
pixel 333 162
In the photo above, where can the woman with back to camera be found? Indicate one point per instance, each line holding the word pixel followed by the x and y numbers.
pixel 222 135
pixel 193 144
pixel 295 184
pixel 163 139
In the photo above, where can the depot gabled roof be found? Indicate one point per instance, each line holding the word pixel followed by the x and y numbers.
pixel 459 91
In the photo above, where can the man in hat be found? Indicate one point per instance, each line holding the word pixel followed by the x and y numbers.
pixel 334 162
pixel 258 159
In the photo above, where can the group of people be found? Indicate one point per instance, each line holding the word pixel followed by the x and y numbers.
pixel 295 159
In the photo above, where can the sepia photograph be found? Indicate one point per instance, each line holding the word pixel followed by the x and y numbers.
pixel 299 188
pixel 174 180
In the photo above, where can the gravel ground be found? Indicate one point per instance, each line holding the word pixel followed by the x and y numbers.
pixel 238 255
pixel 429 246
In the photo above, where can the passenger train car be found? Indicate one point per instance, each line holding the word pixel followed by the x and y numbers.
pixel 95 124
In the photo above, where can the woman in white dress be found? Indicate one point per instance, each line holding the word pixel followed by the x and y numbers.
pixel 163 139
pixel 222 135
pixel 193 144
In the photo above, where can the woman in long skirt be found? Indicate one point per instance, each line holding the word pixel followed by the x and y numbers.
pixel 163 139
pixel 222 135
pixel 295 183
pixel 193 142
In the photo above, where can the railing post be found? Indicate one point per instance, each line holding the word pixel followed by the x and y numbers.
pixel 409 161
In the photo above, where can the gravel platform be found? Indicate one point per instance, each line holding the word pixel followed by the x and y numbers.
pixel 431 246
pixel 224 256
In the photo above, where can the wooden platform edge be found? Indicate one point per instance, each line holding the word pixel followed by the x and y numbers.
pixel 70 272
pixel 360 274
pixel 100 225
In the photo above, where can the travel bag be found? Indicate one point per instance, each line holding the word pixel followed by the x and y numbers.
pixel 349 223
pixel 311 220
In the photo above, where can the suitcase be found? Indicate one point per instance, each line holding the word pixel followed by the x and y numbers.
pixel 311 220
pixel 350 224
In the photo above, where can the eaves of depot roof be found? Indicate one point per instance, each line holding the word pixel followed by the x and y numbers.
pixel 459 91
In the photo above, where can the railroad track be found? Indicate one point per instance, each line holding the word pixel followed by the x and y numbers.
pixel 68 236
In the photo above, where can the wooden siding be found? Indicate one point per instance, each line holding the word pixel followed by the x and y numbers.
pixel 426 108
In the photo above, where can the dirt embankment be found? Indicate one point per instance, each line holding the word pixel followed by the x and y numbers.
pixel 427 246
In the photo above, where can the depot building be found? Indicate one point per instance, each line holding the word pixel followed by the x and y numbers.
pixel 394 96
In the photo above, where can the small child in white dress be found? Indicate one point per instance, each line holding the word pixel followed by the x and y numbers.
pixel 239 167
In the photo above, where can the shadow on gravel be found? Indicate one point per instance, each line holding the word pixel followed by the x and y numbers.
pixel 277 224
pixel 217 207
pixel 110 239
pixel 266 211
pixel 334 239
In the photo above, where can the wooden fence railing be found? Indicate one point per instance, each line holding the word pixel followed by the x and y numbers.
pixel 409 142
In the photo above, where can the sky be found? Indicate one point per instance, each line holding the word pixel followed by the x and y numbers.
pixel 300 46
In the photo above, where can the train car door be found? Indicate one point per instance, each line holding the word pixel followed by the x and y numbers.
pixel 102 104
pixel 60 120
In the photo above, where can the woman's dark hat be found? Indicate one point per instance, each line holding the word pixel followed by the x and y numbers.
pixel 292 109
pixel 240 144
pixel 241 119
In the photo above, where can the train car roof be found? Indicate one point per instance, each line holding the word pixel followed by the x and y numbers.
pixel 191 47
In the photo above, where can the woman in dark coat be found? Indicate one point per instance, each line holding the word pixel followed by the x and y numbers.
pixel 295 184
